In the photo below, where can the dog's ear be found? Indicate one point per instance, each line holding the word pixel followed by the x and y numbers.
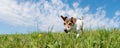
pixel 64 18
pixel 73 20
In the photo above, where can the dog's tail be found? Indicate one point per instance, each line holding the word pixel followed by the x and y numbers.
pixel 82 28
pixel 82 18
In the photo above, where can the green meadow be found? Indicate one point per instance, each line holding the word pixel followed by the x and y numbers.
pixel 99 38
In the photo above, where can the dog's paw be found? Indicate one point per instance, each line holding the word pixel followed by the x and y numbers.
pixel 77 35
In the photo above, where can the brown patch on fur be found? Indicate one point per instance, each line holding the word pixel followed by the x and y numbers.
pixel 73 20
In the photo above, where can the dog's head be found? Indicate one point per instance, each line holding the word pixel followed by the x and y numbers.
pixel 68 23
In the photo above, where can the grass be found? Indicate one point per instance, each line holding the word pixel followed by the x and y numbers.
pixel 99 38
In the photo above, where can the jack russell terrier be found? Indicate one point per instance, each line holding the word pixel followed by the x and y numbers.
pixel 73 24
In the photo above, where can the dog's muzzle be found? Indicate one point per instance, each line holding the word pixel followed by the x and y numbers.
pixel 66 31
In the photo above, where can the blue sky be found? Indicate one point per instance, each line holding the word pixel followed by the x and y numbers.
pixel 24 16
pixel 109 6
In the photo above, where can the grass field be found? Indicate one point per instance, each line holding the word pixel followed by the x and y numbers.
pixel 99 38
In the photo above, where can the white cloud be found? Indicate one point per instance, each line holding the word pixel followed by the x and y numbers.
pixel 47 14
pixel 117 13
pixel 99 19
pixel 116 19
pixel 15 14
pixel 75 5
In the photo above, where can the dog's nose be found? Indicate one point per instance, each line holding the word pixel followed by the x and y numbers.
pixel 66 30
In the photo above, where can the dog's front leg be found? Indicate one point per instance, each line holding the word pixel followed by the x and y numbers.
pixel 77 32
pixel 77 35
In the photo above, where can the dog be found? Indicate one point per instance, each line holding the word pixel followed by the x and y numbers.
pixel 73 23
